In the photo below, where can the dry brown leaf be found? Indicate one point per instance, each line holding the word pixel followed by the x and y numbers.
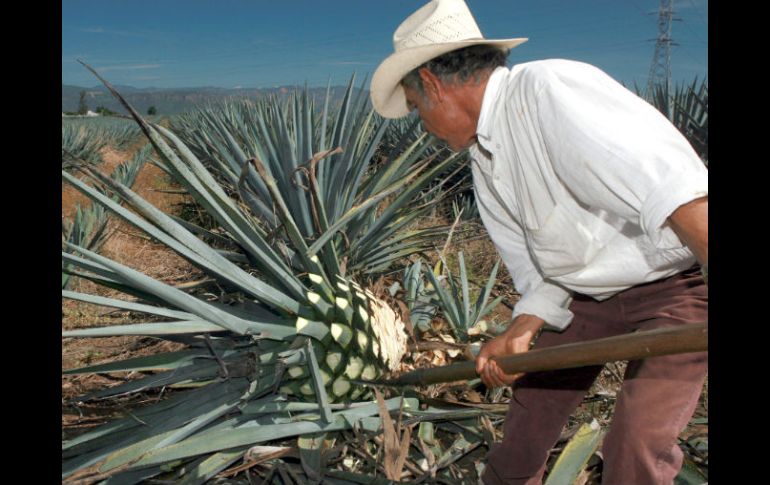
pixel 582 479
pixel 395 449
pixel 472 396
pixel 438 357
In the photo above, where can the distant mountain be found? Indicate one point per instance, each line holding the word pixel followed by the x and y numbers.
pixel 178 100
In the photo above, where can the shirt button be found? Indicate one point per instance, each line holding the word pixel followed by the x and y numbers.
pixel 498 145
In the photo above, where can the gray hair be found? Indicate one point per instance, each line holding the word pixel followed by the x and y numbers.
pixel 459 66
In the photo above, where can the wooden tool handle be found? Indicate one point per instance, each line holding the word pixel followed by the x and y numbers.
pixel 638 345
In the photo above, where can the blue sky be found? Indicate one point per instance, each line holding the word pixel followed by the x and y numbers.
pixel 258 43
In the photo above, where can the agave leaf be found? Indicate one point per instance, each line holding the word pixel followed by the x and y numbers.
pixel 201 371
pixel 269 405
pixel 398 166
pixel 288 221
pixel 221 440
pixel 324 118
pixel 203 420
pixel 394 233
pixel 126 305
pixel 434 413
pixel 204 415
pixel 365 228
pixel 376 266
pixel 479 309
pixel 459 448
pixel 455 297
pixel 210 195
pixel 234 257
pixel 359 209
pixel 184 301
pixel 339 129
pixel 173 161
pixel 573 459
pixel 465 291
pixel 318 385
pixel 110 436
pixel 204 233
pixel 390 252
pixel 156 421
pixel 91 266
pixel 289 163
pixel 165 361
pixel 258 183
pixel 353 185
pixel 207 468
pixel 406 195
pixel 310 455
pixel 195 327
pixel 279 136
pixel 447 305
pixel 413 281
pixel 186 244
pixel 118 286
pixel 491 306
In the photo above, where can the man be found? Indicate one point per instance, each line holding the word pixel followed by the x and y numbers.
pixel 598 207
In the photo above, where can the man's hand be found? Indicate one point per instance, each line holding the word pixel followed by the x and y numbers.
pixel 516 339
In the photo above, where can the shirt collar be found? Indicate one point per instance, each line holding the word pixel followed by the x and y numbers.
pixel 483 129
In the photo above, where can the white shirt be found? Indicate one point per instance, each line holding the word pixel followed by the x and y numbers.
pixel 575 177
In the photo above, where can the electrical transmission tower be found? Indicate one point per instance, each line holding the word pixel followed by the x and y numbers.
pixel 660 69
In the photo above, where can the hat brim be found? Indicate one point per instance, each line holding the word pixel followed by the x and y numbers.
pixel 386 92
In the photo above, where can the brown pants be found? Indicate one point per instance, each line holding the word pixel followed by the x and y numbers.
pixel 657 399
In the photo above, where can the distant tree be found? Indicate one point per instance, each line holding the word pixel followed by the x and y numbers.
pixel 82 106
pixel 104 111
pixel 152 111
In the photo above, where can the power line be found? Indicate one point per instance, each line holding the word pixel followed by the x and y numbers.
pixel 697 9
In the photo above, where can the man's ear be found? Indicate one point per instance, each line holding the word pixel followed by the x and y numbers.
pixel 434 89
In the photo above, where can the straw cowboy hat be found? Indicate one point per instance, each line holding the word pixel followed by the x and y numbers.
pixel 439 27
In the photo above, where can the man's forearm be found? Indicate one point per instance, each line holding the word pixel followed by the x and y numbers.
pixel 691 223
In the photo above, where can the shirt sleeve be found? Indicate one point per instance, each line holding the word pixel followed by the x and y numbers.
pixel 541 298
pixel 615 151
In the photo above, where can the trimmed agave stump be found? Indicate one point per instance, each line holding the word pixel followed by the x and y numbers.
pixel 364 339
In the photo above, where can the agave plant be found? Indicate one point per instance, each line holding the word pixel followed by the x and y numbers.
pixel 327 187
pixel 80 142
pixel 464 207
pixel 455 301
pixel 89 225
pixel 687 108
pixel 82 138
pixel 419 297
pixel 290 258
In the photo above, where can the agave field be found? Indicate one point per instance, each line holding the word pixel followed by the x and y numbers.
pixel 82 138
pixel 335 249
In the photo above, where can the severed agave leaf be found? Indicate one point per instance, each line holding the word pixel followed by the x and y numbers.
pixel 575 455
